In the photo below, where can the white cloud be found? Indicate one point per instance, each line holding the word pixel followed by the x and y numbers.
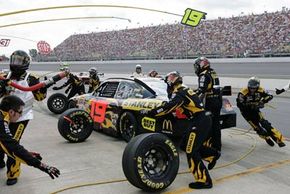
pixel 55 32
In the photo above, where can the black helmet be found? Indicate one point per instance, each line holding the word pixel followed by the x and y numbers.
pixel 93 71
pixel 200 64
pixel 253 83
pixel 173 78
pixel 19 61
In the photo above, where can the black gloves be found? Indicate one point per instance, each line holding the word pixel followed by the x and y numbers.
pixel 260 105
pixel 279 91
pixel 67 90
pixel 50 170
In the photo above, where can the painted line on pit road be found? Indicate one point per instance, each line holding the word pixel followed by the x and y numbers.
pixel 236 175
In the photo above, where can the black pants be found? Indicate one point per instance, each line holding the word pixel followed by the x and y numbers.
pixel 214 105
pixel 13 166
pixel 193 144
pixel 76 90
pixel 262 127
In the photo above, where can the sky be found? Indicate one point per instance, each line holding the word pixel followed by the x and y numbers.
pixel 25 37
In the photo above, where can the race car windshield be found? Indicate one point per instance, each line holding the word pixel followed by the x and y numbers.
pixel 158 86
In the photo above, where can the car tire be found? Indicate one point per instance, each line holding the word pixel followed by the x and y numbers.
pixel 75 125
pixel 57 103
pixel 150 162
pixel 128 126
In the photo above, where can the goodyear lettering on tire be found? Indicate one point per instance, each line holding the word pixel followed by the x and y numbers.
pixel 72 138
pixel 81 113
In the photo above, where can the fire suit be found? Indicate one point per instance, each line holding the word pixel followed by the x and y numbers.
pixel 209 91
pixel 249 105
pixel 17 129
pixel 12 147
pixel 94 82
pixel 75 86
pixel 194 136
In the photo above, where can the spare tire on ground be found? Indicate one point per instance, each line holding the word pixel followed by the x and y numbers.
pixel 57 103
pixel 150 162
pixel 75 125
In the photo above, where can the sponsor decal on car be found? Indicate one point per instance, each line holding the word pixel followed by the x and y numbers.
pixel 148 123
pixel 167 125
pixel 98 110
pixel 133 104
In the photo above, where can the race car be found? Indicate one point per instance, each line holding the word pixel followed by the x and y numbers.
pixel 114 108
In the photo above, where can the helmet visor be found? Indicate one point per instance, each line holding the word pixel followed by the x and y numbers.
pixel 17 60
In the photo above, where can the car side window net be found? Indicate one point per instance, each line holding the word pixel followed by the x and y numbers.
pixel 107 90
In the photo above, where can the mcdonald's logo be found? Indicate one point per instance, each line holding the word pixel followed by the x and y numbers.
pixel 167 125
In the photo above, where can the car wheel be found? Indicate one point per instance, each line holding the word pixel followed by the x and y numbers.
pixel 57 103
pixel 128 126
pixel 150 162
pixel 75 125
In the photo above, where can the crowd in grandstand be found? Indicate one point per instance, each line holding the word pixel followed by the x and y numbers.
pixel 264 34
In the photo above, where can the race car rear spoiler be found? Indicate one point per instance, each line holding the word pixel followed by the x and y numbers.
pixel 227 91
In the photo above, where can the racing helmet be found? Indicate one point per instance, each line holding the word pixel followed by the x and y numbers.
pixel 93 71
pixel 253 83
pixel 19 61
pixel 173 78
pixel 65 68
pixel 200 64
pixel 138 68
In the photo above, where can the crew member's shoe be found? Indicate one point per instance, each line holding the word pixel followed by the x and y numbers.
pixel 200 185
pixel 269 142
pixel 2 164
pixel 281 144
pixel 11 181
pixel 213 162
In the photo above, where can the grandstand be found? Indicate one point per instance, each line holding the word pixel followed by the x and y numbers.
pixel 264 35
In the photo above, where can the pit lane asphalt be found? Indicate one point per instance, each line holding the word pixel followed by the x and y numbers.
pixel 247 164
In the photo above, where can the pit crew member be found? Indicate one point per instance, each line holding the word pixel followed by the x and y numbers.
pixel 194 136
pixel 74 84
pixel 250 100
pixel 210 93
pixel 94 80
pixel 11 109
pixel 19 64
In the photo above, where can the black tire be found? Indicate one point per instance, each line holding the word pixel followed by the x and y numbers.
pixel 128 126
pixel 57 103
pixel 150 162
pixel 75 125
